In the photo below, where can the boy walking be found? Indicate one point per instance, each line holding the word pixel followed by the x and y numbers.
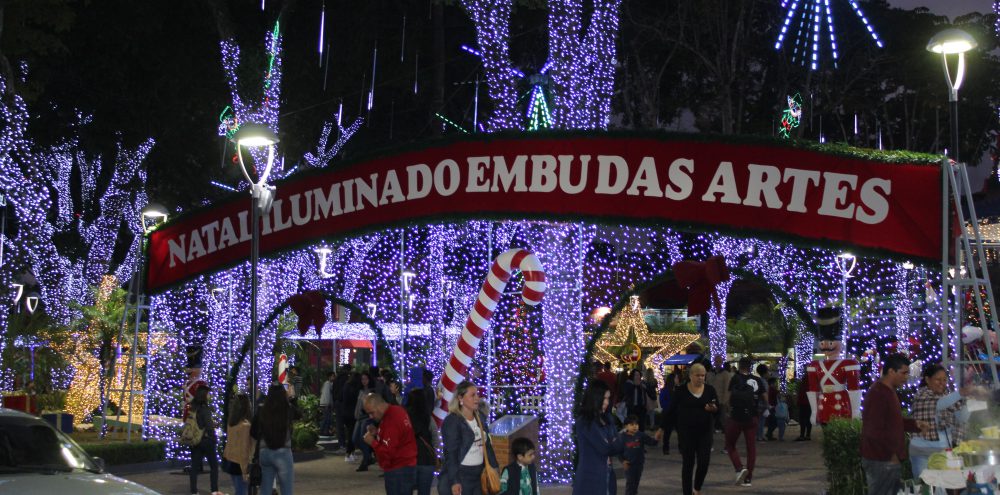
pixel 520 477
pixel 634 457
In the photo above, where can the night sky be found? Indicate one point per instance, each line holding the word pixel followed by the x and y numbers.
pixel 950 8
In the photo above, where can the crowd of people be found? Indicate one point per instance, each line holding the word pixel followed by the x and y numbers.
pixel 376 419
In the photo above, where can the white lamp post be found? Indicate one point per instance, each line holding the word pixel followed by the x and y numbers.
pixel 846 262
pixel 947 42
pixel 254 136
pixel 322 252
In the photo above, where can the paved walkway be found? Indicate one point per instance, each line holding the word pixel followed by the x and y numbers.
pixel 782 467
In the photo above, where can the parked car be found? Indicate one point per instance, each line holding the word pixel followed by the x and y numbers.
pixel 35 458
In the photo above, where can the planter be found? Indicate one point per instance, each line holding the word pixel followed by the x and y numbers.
pixel 307 455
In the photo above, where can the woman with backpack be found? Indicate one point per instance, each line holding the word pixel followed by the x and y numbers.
pixel 273 429
pixel 205 449
pixel 745 393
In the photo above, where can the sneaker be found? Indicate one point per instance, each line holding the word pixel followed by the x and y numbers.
pixel 351 458
pixel 746 482
pixel 340 451
pixel 742 475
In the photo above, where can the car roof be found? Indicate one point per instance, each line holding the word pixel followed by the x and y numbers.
pixel 6 412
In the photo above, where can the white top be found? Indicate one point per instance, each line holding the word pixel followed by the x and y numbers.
pixel 326 394
pixel 475 455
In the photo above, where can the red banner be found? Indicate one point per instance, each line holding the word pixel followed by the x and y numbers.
pixel 756 188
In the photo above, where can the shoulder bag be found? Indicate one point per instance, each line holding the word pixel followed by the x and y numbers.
pixel 490 479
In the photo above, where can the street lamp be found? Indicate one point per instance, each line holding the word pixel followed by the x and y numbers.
pixel 152 216
pixel 846 262
pixel 948 42
pixel 322 252
pixel 254 136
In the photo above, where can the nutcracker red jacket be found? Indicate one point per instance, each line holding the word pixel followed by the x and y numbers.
pixel 395 445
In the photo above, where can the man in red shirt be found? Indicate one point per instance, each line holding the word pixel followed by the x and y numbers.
pixel 394 444
pixel 883 446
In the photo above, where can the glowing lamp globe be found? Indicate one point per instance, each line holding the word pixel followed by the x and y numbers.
pixel 951 41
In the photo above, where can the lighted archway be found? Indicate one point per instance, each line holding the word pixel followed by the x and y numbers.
pixel 234 372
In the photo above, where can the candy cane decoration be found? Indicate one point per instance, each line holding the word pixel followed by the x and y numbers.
pixel 482 313
pixel 283 369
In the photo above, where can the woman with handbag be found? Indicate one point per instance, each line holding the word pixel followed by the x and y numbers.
pixel 597 443
pixel 466 447
pixel 273 429
pixel 425 432
pixel 206 448
pixel 239 446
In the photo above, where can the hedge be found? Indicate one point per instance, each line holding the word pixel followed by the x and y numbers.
pixel 842 457
pixel 116 453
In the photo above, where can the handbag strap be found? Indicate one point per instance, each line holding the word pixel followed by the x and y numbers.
pixel 486 440
pixel 428 445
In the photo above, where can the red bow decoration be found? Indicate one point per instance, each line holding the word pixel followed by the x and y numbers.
pixel 310 307
pixel 700 280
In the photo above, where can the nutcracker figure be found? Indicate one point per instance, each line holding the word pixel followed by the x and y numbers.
pixel 193 370
pixel 833 382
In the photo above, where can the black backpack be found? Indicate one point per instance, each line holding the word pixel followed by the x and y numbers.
pixel 742 398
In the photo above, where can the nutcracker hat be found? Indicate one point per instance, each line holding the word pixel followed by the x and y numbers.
pixel 829 324
pixel 193 353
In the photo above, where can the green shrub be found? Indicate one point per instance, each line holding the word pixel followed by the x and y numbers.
pixel 842 456
pixel 115 453
pixel 53 401
pixel 309 407
pixel 304 435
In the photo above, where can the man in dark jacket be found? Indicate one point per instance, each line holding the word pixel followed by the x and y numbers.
pixel 337 390
pixel 883 446
pixel 745 394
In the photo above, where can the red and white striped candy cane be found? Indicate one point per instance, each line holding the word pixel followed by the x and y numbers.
pixel 283 369
pixel 482 312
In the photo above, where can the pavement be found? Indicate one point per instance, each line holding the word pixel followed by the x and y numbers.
pixel 782 467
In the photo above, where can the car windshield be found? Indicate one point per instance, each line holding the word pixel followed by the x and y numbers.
pixel 31 445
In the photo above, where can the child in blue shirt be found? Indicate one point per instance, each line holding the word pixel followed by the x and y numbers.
pixel 634 457
pixel 520 477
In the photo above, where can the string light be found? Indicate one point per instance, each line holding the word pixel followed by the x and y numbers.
pixel 39 181
pixel 813 15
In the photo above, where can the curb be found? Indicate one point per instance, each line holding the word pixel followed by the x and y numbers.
pixel 139 467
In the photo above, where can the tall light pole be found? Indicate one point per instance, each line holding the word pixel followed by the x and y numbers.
pixel 845 263
pixel 947 42
pixel 255 136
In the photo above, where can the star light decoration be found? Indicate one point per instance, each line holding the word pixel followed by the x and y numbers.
pixel 581 61
pixel 631 328
pixel 813 15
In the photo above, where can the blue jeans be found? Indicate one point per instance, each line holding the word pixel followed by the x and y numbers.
pixel 425 477
pixel 883 477
pixel 276 463
pixel 239 486
pixel 324 427
pixel 359 433
pixel 400 481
